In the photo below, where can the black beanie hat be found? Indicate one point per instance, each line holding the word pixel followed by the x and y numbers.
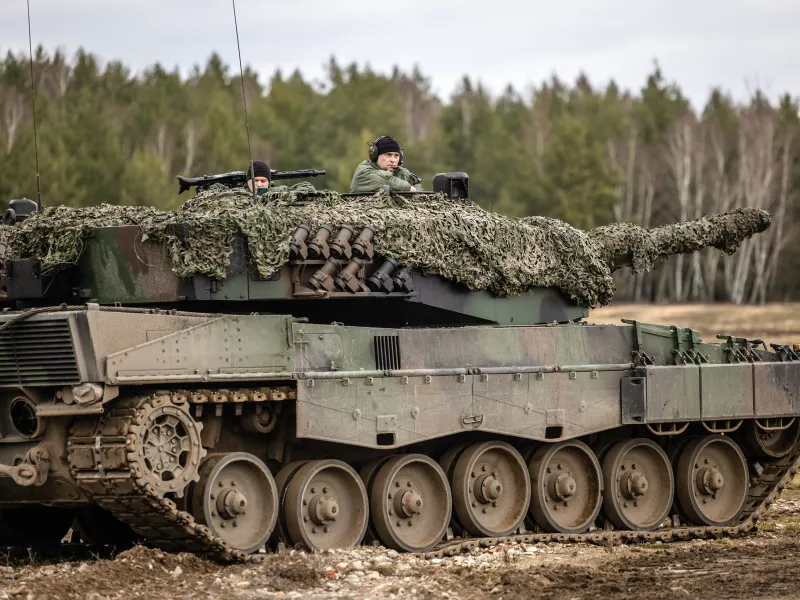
pixel 387 144
pixel 260 168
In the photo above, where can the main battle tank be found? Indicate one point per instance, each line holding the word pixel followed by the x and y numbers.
pixel 361 388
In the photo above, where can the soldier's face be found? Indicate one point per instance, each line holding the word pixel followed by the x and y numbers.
pixel 261 182
pixel 388 161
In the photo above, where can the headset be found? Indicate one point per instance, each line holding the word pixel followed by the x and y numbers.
pixel 373 151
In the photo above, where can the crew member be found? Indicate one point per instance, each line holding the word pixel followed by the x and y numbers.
pixel 384 167
pixel 259 174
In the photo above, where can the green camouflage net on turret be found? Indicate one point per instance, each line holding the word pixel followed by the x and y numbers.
pixel 457 240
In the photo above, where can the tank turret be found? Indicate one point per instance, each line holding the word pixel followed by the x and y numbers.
pixel 330 275
pixel 118 266
pixel 386 259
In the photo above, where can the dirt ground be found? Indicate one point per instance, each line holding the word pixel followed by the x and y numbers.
pixel 763 565
pixel 777 323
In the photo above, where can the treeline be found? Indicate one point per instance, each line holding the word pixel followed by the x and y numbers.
pixel 586 154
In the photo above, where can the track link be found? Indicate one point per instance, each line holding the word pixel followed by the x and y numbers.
pixel 102 452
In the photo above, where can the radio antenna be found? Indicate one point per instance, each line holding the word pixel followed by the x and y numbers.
pixel 244 100
pixel 33 110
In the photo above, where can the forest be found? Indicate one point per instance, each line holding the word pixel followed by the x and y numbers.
pixel 584 152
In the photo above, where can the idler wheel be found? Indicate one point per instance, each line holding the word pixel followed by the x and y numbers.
pixel 771 443
pixel 567 487
pixel 712 481
pixel 491 489
pixel 237 499
pixel 410 503
pixel 325 506
pixel 638 485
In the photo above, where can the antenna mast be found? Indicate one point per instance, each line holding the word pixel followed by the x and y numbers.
pixel 244 100
pixel 33 103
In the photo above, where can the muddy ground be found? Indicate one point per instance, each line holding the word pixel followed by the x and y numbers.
pixel 765 564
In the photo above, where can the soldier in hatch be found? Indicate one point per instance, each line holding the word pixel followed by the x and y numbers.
pixel 263 181
pixel 384 167
pixel 258 174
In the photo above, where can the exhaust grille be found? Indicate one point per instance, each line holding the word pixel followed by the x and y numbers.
pixel 387 352
pixel 38 353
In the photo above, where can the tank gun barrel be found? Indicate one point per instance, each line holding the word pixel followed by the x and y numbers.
pixel 626 244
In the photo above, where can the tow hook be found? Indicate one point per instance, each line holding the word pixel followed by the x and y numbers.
pixel 33 471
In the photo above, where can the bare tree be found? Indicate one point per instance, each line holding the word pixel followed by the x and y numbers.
pixel 163 147
pixel 770 245
pixel 695 283
pixel 56 79
pixel 191 142
pixel 719 198
pixel 647 193
pixel 635 192
pixel 622 153
pixel 756 162
pixel 12 104
pixel 680 150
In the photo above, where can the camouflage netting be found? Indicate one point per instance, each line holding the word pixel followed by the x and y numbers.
pixel 457 240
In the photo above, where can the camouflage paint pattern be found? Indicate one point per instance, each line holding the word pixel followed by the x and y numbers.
pixel 120 265
pixel 532 382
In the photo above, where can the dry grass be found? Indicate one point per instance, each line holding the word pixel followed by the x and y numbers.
pixel 777 322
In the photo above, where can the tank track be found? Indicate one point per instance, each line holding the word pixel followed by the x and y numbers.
pixel 115 484
pixel 101 460
pixel 765 489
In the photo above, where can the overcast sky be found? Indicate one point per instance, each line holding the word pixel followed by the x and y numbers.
pixel 736 44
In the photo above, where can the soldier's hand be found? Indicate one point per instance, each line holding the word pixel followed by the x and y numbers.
pixel 413 189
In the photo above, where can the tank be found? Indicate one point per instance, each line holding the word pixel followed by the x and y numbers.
pixel 348 398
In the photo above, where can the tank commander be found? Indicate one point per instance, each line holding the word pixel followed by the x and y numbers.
pixel 260 175
pixel 384 167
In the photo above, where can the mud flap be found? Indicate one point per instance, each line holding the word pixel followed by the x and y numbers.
pixel 633 393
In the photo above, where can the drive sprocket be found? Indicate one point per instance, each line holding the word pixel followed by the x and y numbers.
pixel 164 446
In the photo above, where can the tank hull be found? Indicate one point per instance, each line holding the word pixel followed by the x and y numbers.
pixel 140 411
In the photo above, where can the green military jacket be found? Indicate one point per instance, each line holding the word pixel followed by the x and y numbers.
pixel 369 178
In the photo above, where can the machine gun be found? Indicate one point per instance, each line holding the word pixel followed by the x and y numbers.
pixel 238 178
